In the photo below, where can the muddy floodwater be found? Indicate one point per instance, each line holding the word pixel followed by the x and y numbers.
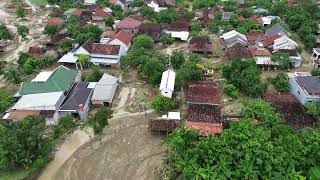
pixel 77 139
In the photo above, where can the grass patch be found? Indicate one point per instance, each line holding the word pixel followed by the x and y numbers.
pixel 39 2
pixel 14 174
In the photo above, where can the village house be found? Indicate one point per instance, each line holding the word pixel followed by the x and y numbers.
pixel 305 87
pixel 204 111
pixel 84 14
pixel 284 42
pixel 262 55
pixel 100 54
pixel 104 91
pixel 43 104
pixel 60 79
pixel 238 51
pixel 267 20
pixel 100 14
pixel 316 57
pixel 166 123
pixel 227 15
pixel 167 83
pixel 276 29
pixel 200 45
pixel 120 38
pixel 255 36
pixel 260 11
pixel 152 30
pixel 77 102
pixel 123 3
pixel 55 41
pixel 294 57
pixel 129 25
pixel 159 5
pixel 268 41
pixel 179 29
pixel 232 38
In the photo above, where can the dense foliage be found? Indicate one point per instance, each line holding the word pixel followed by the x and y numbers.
pixel 6 100
pixel 315 72
pixel 281 82
pixel 99 120
pixel 245 75
pixel 187 72
pixel 143 41
pixel 231 90
pixel 65 125
pixel 177 59
pixel 94 74
pixel 23 144
pixel 162 104
pixel 23 31
pixel 4 32
pixel 282 59
pixel 246 150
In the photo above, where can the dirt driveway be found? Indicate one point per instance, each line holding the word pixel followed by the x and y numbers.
pixel 128 151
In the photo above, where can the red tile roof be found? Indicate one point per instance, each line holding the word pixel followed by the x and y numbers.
pixel 37 52
pixel 123 37
pixel 199 44
pixel 255 35
pixel 259 52
pixel 78 12
pixel 256 19
pixel 238 51
pixel 101 13
pixel 206 128
pixel 97 48
pixel 268 41
pixel 203 93
pixel 55 21
pixel 128 23
pixel 181 24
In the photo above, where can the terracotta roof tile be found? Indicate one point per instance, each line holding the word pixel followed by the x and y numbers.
pixel 268 41
pixel 55 21
pixel 101 13
pixel 259 52
pixel 238 51
pixel 78 12
pixel 256 19
pixel 203 93
pixel 255 35
pixel 128 23
pixel 199 44
pixel 97 48
pixel 37 52
pixel 204 113
pixel 206 129
pixel 123 37
pixel 181 24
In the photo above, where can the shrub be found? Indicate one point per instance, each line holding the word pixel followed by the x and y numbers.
pixel 315 72
pixel 281 83
pixel 162 104
pixel 166 39
pixel 94 75
pixel 231 90
pixel 195 58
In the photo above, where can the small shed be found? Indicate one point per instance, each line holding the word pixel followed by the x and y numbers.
pixel 104 91
pixel 167 83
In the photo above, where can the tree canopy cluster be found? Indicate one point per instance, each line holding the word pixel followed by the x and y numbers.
pixel 249 149
pixel 5 33
pixel 23 144
pixel 245 75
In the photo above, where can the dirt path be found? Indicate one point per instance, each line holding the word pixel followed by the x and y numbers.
pixel 128 151
pixel 77 139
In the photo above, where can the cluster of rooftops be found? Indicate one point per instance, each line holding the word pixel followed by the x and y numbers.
pixel 61 92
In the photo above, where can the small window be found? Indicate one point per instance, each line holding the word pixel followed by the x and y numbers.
pixel 310 101
pixel 298 92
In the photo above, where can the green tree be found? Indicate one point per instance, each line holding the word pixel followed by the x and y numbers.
pixel 187 72
pixel 6 100
pixel 23 57
pixel 23 144
pixel 196 27
pixel 143 41
pixel 21 12
pixel 65 125
pixel 231 91
pixel 100 120
pixel 282 59
pixel 66 46
pixel 84 60
pixel 23 31
pixel 12 73
pixel 213 27
pixel 310 41
pixel 281 82
pixel 166 16
pixel 153 70
pixel 315 72
pixel 245 75
pixel 162 104
pixel 4 32
pixel 313 110
pixel 194 58
pixel 166 39
pixel 177 59
pixel 109 21
pixel 51 30
pixel 94 75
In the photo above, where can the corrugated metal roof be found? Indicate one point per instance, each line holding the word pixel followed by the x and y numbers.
pixel 168 80
pixel 105 88
pixel 41 101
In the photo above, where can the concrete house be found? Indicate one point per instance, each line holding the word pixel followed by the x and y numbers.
pixel 129 24
pixel 100 14
pixel 284 42
pixel 304 87
pixel 179 29
pixel 232 38
pixel 120 38
pixel 104 91
pixel 262 55
pixel 122 3
pixel 238 51
pixel 159 5
pixel 167 83
pixel 45 104
pixel 77 102
pixel 316 57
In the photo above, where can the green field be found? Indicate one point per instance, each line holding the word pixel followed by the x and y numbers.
pixel 39 2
